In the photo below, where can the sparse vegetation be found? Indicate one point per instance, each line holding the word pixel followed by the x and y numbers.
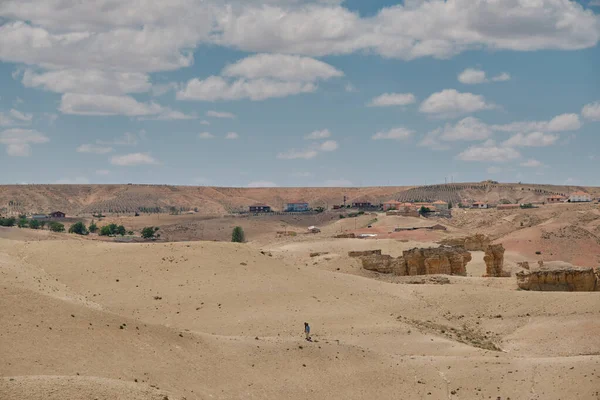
pixel 22 223
pixel 113 230
pixel 78 228
pixel 237 236
pixel 56 226
pixel 149 232
pixel 35 224
pixel 10 221
pixel 527 205
pixel 93 228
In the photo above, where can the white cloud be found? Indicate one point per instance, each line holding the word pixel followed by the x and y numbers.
pixel 164 88
pixel 591 111
pixel 232 136
pixel 466 129
pixel 75 181
pixel 206 135
pixel 563 122
pixel 532 164
pixel 431 140
pixel 90 148
pixel 489 152
pixel 281 67
pixel 471 76
pixel 217 114
pixel 494 170
pixel 329 145
pixel 204 122
pixel 261 184
pixel 594 3
pixel 170 115
pixel 87 104
pixel 392 99
pixel 128 139
pixel 451 103
pixel 91 81
pixel 298 154
pixel 215 88
pixel 502 77
pixel 338 183
pixel 18 141
pixel 393 134
pixel 133 159
pixel 102 172
pixel 316 135
pixel 23 117
pixel 350 88
pixel 534 139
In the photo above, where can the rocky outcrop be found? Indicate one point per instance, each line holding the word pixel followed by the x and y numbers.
pixel 319 253
pixel 564 278
pixel 494 261
pixel 523 264
pixel 426 261
pixel 477 242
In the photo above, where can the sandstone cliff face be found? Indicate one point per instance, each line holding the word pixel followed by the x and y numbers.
pixel 494 261
pixel 441 260
pixel 477 242
pixel 561 279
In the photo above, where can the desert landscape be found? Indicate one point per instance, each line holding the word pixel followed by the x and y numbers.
pixel 470 304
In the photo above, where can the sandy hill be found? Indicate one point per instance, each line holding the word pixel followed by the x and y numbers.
pixel 83 319
pixel 86 199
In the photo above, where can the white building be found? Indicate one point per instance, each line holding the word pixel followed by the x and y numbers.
pixel 579 197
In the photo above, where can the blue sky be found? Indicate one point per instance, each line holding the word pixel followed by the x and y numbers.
pixel 299 93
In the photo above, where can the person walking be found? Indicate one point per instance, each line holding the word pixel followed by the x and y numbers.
pixel 307 331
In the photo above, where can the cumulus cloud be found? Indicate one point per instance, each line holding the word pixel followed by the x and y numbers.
pixel 281 67
pixel 392 99
pixel 95 149
pixel 217 114
pixel 315 135
pixel 489 152
pixel 329 145
pixel 450 103
pixel 232 136
pixel 19 116
pixel 469 128
pixel 298 154
pixel 393 134
pixel 532 164
pixel 133 159
pixel 473 76
pixel 431 140
pixel 591 111
pixel 215 88
pixel 206 135
pixel 18 141
pixel 563 122
pixel 261 184
pixel 534 139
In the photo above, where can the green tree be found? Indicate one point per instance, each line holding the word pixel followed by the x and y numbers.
pixel 237 236
pixel 78 228
pixel 105 231
pixel 424 210
pixel 8 221
pixel 149 232
pixel 93 227
pixel 56 227
pixel 35 224
pixel 42 224
pixel 449 205
pixel 120 230
pixel 23 223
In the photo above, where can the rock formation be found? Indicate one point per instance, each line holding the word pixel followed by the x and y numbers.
pixel 560 278
pixel 476 242
pixel 426 261
pixel 494 261
pixel 523 264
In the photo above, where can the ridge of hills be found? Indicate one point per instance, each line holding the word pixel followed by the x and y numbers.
pixel 215 201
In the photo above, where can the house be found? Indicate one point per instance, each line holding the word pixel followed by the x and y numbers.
pixel 39 216
pixel 391 205
pixel 57 214
pixel 555 199
pixel 361 204
pixel 440 205
pixel 507 206
pixel 479 204
pixel 259 208
pixel 579 197
pixel 297 206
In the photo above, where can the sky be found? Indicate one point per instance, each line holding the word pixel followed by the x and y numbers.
pixel 259 93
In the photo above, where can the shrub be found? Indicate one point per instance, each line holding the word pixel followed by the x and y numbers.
pixel 11 221
pixel 130 233
pixel 528 205
pixel 93 227
pixel 106 230
pixel 78 228
pixel 237 236
pixel 342 216
pixel 121 230
pixel 22 223
pixel 56 227
pixel 149 232
pixel 424 210
pixel 35 224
